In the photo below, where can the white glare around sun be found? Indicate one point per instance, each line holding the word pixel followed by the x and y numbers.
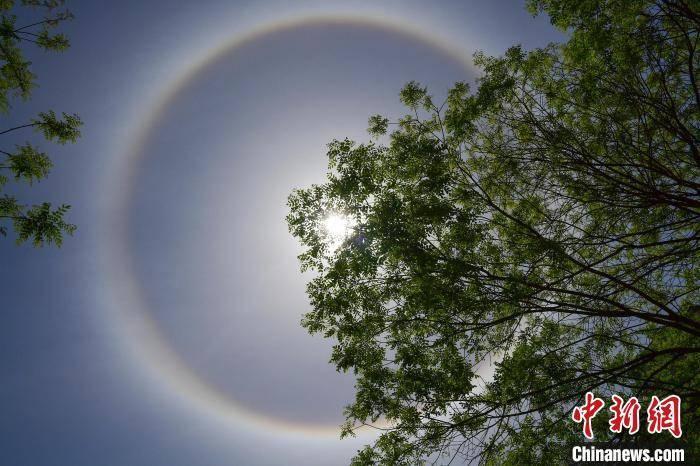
pixel 337 228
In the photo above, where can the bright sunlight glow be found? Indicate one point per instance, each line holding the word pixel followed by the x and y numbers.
pixel 337 228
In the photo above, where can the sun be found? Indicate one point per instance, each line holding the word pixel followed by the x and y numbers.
pixel 336 225
pixel 337 228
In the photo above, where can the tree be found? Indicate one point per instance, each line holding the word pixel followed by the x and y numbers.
pixel 520 245
pixel 26 163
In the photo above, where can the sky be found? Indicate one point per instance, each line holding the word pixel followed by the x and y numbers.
pixel 166 330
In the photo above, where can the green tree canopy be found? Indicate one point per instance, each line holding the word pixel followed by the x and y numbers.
pixel 520 244
pixel 27 163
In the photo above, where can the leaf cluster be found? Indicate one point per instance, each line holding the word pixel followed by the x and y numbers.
pixel 520 244
pixel 27 163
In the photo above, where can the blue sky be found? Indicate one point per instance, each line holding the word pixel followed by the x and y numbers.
pixel 165 332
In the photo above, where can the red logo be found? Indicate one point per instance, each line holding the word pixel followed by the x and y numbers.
pixel 665 415
pixel 624 415
pixel 661 415
pixel 587 412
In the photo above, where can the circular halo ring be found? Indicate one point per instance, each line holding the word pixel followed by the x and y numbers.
pixel 135 331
